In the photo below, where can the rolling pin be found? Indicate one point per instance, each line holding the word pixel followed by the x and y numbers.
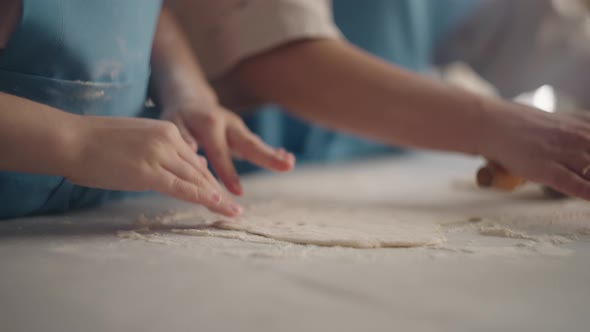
pixel 495 176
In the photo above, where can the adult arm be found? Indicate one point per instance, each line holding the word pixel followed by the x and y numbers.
pixel 329 81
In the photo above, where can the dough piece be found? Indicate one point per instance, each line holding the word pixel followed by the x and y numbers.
pixel 338 226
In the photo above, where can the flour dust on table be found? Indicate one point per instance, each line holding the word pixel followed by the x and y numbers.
pixel 338 226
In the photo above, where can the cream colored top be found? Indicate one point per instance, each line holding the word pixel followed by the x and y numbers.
pixel 224 32
pixel 533 41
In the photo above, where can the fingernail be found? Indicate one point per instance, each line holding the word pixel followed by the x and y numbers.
pixel 235 208
pixel 281 154
pixel 290 158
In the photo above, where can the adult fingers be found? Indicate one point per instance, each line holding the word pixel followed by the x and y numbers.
pixel 579 116
pixel 578 162
pixel 568 181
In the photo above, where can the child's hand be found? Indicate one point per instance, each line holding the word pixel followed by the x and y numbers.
pixel 222 134
pixel 139 155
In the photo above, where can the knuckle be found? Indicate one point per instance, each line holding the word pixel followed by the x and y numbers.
pixel 200 195
pixel 180 187
pixel 167 131
pixel 210 119
pixel 152 152
pixel 252 142
pixel 234 118
pixel 144 170
pixel 192 176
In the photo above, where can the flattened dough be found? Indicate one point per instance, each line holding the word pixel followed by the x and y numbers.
pixel 338 226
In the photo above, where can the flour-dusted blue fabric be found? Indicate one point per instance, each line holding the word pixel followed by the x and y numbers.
pixel 81 56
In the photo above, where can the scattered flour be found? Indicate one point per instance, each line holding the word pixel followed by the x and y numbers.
pixel 131 235
pixel 502 231
pixel 225 234
pixel 151 238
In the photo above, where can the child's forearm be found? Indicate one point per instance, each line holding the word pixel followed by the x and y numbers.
pixel 35 138
pixel 114 153
pixel 335 84
pixel 176 74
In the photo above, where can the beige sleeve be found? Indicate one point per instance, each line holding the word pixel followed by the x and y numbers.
pixel 226 32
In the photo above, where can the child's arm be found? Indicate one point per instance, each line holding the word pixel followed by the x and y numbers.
pixel 333 83
pixel 188 101
pixel 35 138
pixel 105 152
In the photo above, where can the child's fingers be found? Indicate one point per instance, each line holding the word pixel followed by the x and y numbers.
pixel 169 183
pixel 192 170
pixel 222 163
pixel 172 185
pixel 199 164
pixel 185 171
pixel 212 134
pixel 186 134
pixel 203 161
pixel 220 158
pixel 250 147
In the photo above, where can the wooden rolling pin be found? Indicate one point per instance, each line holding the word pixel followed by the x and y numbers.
pixel 495 176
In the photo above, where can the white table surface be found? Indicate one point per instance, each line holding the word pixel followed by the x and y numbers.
pixel 73 273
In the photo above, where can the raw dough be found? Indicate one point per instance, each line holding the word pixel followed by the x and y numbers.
pixel 386 205
pixel 338 226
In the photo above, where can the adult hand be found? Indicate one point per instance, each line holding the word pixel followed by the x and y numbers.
pixel 551 149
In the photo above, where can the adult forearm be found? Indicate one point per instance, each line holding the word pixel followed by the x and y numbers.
pixel 35 138
pixel 335 84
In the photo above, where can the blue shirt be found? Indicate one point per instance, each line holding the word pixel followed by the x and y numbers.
pixel 81 56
